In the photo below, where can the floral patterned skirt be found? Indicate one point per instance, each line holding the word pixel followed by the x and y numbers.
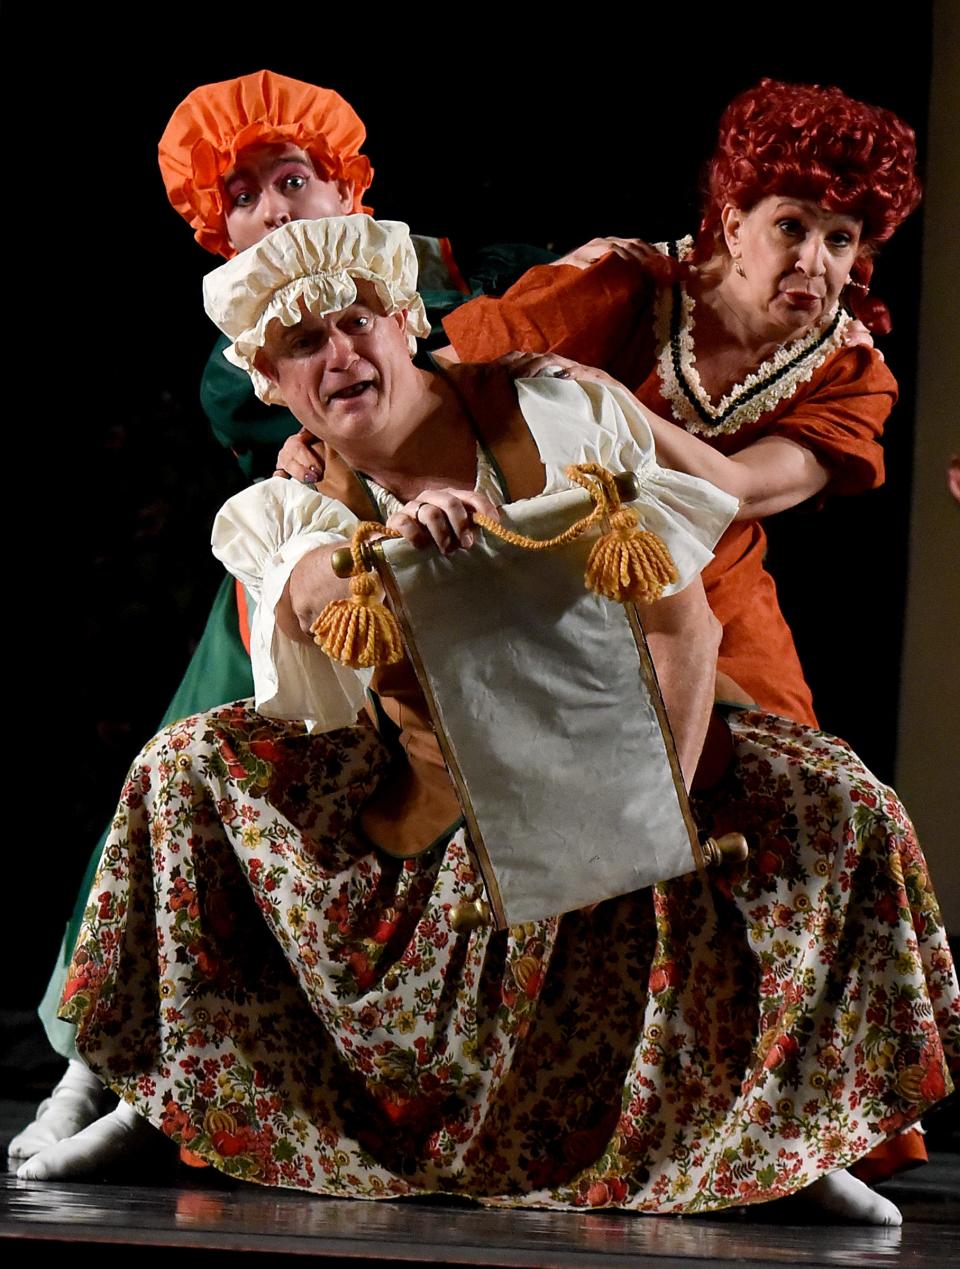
pixel 296 1008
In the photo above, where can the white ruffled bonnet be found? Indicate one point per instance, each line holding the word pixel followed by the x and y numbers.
pixel 317 260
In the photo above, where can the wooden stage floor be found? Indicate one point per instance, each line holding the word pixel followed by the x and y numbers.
pixel 206 1219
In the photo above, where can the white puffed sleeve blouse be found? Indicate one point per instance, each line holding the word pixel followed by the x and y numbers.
pixel 261 534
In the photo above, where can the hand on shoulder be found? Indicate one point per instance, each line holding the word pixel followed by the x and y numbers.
pixel 594 250
pixel 856 335
pixel 301 458
pixel 522 365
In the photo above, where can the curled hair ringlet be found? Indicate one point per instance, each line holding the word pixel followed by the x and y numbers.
pixel 809 142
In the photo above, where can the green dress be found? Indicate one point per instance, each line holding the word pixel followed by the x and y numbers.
pixel 219 670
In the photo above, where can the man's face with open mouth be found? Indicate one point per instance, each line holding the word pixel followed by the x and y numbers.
pixel 337 373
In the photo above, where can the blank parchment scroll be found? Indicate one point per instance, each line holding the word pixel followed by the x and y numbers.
pixel 548 714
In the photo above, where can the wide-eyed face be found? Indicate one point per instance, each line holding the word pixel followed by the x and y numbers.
pixel 345 376
pixel 792 258
pixel 274 184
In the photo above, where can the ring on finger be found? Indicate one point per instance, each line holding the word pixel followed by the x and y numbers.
pixel 416 514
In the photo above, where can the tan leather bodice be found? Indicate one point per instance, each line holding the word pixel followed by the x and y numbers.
pixel 416 805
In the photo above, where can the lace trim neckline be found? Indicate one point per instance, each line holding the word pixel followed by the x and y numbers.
pixel 775 380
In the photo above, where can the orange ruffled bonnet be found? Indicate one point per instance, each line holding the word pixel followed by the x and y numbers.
pixel 216 121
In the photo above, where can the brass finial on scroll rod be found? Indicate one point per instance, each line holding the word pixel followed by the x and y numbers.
pixel 470 914
pixel 341 561
pixel 729 848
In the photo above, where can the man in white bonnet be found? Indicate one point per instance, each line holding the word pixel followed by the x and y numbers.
pixel 324 316
pixel 270 971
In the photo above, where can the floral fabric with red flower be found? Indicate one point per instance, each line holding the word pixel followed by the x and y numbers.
pixel 297 1009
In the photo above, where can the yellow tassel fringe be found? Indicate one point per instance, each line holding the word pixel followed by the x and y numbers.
pixel 629 563
pixel 360 631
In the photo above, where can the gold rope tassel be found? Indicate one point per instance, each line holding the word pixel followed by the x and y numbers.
pixel 360 631
pixel 629 563
pixel 626 563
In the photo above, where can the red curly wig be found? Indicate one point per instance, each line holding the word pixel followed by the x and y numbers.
pixel 815 143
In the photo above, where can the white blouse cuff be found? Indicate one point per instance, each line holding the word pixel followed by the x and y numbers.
pixel 261 535
pixel 581 422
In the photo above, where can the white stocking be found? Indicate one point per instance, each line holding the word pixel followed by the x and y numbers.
pixel 117 1136
pixel 843 1195
pixel 77 1100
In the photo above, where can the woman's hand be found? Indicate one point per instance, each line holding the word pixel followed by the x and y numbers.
pixel 442 518
pixel 729 690
pixel 857 336
pixel 597 248
pixel 298 458
pixel 523 365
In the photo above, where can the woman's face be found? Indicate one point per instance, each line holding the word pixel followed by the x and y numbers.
pixel 274 184
pixel 795 258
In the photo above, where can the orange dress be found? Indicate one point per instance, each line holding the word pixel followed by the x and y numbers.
pixel 831 399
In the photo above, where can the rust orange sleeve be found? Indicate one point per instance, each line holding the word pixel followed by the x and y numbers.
pixel 842 419
pixel 584 314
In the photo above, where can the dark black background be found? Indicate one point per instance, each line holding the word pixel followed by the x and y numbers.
pixel 499 134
